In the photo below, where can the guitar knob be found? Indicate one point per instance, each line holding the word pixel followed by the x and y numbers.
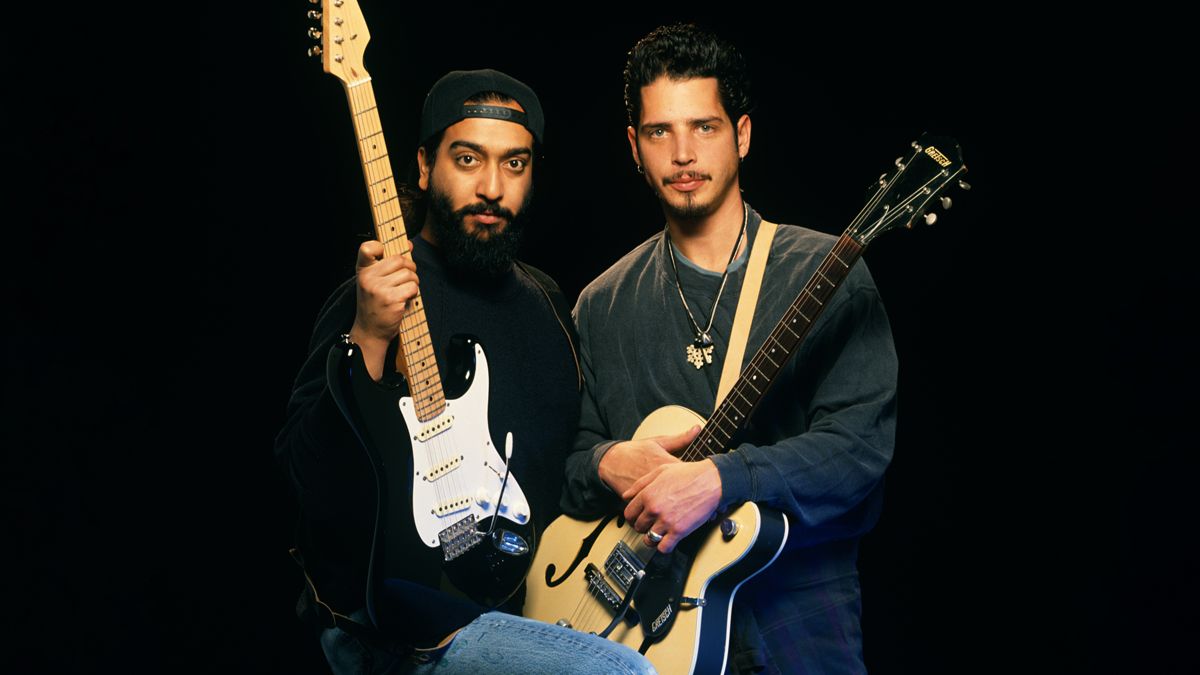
pixel 520 512
pixel 729 528
pixel 314 33
pixel 930 218
pixel 482 498
pixel 946 203
pixel 314 51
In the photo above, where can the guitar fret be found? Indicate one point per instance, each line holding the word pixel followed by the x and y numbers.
pixel 402 235
pixel 756 389
pixel 385 178
pixel 813 297
pixel 432 366
pixel 382 203
pixel 767 357
pixel 366 149
pixel 839 259
pixel 739 393
pixel 417 338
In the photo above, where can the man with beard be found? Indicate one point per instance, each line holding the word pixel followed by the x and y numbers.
pixel 479 136
pixel 654 330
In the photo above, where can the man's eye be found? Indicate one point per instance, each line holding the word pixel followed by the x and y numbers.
pixel 466 160
pixel 706 128
pixel 658 133
pixel 517 164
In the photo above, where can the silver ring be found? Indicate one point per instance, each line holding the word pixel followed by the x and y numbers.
pixel 654 537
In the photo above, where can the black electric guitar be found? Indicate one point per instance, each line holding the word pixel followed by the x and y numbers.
pixel 450 515
pixel 600 577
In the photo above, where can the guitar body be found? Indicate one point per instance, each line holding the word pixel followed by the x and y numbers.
pixel 697 636
pixel 436 478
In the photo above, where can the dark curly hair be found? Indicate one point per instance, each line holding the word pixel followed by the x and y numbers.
pixel 684 51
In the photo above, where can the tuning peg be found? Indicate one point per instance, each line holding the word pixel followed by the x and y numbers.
pixel 314 2
pixel 314 33
pixel 314 14
pixel 946 203
pixel 964 185
pixel 900 163
pixel 917 146
pixel 930 218
pixel 315 50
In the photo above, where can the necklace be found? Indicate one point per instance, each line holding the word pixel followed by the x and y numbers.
pixel 699 352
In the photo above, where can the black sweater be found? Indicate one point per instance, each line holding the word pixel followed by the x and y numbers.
pixel 534 394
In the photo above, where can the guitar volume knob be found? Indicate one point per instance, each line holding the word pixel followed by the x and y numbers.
pixel 729 528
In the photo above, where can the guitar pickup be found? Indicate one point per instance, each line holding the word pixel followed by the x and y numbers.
pixel 443 469
pixel 623 565
pixel 451 506
pixel 430 430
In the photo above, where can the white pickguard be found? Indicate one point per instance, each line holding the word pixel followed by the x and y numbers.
pixel 459 470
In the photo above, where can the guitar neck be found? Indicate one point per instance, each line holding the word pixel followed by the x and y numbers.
pixel 415 356
pixel 739 404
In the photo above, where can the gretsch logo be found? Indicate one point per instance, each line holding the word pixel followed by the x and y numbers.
pixel 662 618
pixel 937 156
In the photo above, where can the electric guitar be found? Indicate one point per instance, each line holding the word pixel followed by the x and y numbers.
pixel 675 608
pixel 449 512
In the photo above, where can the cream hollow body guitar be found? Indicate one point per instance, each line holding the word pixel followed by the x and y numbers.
pixel 599 576
pixel 449 512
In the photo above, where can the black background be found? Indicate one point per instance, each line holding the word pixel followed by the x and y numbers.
pixel 187 192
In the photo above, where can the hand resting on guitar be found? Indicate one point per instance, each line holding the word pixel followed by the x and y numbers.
pixel 628 461
pixel 673 500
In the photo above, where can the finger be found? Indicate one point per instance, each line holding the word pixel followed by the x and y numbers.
pixel 368 253
pixel 391 266
pixel 668 543
pixel 633 510
pixel 678 442
pixel 650 542
pixel 638 485
pixel 645 521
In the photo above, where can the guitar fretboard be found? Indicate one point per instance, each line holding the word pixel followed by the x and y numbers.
pixel 730 417
pixel 415 357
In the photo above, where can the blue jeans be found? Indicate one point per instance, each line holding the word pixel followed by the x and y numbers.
pixel 494 643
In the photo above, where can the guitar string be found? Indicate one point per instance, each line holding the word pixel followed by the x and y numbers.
pixel 362 98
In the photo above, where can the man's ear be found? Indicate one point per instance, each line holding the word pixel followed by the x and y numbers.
pixel 633 147
pixel 423 168
pixel 743 136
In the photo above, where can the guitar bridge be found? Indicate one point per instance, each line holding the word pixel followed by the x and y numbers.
pixel 601 588
pixel 605 593
pixel 623 565
pixel 459 538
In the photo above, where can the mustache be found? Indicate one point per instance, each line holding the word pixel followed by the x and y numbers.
pixel 685 176
pixel 483 208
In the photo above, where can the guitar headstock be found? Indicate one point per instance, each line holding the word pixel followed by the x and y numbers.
pixel 343 38
pixel 904 194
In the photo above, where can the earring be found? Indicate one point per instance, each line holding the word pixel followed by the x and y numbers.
pixel 639 169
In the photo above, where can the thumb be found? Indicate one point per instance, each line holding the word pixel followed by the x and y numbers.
pixel 368 253
pixel 678 442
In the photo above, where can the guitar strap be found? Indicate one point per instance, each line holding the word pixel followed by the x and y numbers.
pixel 744 314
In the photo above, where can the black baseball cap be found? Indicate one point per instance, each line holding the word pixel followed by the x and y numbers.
pixel 444 102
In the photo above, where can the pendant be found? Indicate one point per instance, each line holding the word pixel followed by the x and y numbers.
pixel 699 353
